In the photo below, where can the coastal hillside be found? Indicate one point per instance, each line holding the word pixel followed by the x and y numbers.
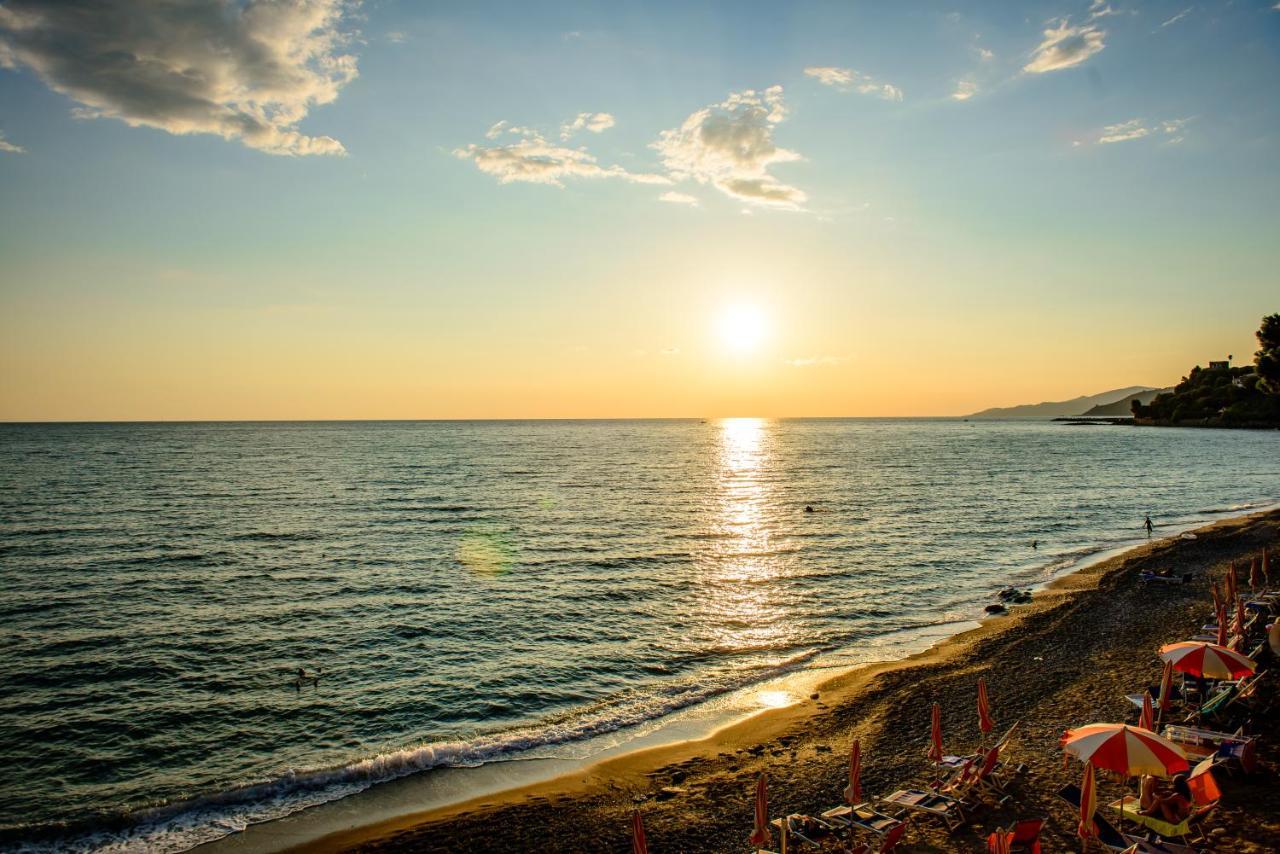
pixel 1223 396
pixel 1060 408
pixel 1124 406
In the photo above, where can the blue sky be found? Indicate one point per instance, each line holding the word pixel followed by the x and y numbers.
pixel 1085 192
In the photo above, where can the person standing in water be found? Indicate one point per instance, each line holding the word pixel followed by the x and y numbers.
pixel 1147 524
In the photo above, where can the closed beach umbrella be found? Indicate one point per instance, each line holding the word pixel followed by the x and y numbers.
pixel 1088 804
pixel 1255 574
pixel 1207 660
pixel 1240 621
pixel 984 708
pixel 1232 583
pixel 935 735
pixel 1127 750
pixel 1222 625
pixel 853 794
pixel 1147 720
pixel 1166 687
pixel 638 843
pixel 1217 599
pixel 760 836
pixel 1266 567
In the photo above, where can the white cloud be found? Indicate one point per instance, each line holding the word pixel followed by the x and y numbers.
pixel 594 122
pixel 678 198
pixel 245 71
pixel 6 145
pixel 816 361
pixel 1100 9
pixel 1065 46
pixel 1176 18
pixel 986 55
pixel 1138 129
pixel 533 160
pixel 965 89
pixel 396 37
pixel 730 146
pixel 848 79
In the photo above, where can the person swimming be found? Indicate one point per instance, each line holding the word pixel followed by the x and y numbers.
pixel 304 677
pixel 808 508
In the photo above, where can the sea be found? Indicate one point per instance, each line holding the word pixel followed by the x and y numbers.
pixel 465 594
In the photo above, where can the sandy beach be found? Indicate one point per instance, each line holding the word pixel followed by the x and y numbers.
pixel 1065 660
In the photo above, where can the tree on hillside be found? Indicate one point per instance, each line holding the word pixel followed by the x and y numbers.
pixel 1267 359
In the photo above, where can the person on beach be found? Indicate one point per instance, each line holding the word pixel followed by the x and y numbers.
pixel 1173 807
pixel 1147 524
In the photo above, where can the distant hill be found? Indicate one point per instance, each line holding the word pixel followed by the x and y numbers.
pixel 1124 406
pixel 1055 409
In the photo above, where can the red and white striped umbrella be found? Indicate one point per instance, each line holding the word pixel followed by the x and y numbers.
pixel 639 845
pixel 1207 660
pixel 935 735
pixel 760 835
pixel 985 723
pixel 1238 626
pixel 853 793
pixel 1127 750
pixel 1147 720
pixel 1086 830
pixel 1166 687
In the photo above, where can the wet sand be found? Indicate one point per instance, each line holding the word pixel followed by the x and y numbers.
pixel 1065 660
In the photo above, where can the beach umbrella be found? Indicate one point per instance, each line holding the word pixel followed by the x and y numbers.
pixel 1088 804
pixel 1207 660
pixel 1222 625
pixel 853 793
pixel 1233 583
pixel 760 836
pixel 1147 720
pixel 1166 687
pixel 984 708
pixel 638 843
pixel 1266 567
pixel 1240 621
pixel 1127 750
pixel 1217 599
pixel 1255 574
pixel 935 735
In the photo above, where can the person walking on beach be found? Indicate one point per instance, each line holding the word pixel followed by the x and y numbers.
pixel 1147 524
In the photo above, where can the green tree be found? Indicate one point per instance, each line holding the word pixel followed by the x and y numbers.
pixel 1267 359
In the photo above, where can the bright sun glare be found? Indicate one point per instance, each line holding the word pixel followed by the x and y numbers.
pixel 742 327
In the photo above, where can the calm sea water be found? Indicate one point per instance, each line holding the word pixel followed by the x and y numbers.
pixel 476 590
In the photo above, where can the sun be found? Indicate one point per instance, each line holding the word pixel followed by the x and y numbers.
pixel 742 327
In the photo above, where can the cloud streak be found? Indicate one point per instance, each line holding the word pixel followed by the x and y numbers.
pixel 249 72
pixel 1065 46
pixel 532 159
pixel 6 145
pixel 1127 131
pixel 730 146
pixel 593 122
pixel 849 80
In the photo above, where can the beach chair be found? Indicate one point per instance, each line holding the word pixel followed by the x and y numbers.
pixel 1129 808
pixel 1108 835
pixel 1026 835
pixel 804 828
pixel 862 817
pixel 887 844
pixel 947 810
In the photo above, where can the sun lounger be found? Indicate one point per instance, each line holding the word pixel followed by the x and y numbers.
pixel 862 817
pixel 947 810
pixel 887 844
pixel 804 828
pixel 1129 808
pixel 1107 833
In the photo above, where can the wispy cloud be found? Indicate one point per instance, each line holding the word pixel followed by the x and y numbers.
pixel 850 80
pixel 397 37
pixel 986 55
pixel 816 361
pixel 532 159
pixel 244 71
pixel 1176 18
pixel 1127 131
pixel 593 122
pixel 678 198
pixel 965 89
pixel 1065 46
pixel 730 146
pixel 5 145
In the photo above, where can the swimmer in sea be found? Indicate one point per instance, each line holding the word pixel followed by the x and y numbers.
pixel 808 508
pixel 303 678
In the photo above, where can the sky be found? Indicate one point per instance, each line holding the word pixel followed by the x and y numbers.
pixel 315 209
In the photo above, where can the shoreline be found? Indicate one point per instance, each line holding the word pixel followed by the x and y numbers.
pixel 619 783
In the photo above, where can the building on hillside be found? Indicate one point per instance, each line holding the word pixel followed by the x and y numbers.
pixel 1220 366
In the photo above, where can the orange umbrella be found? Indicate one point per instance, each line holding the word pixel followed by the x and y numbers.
pixel 984 708
pixel 1088 804
pixel 638 843
pixel 760 836
pixel 1147 719
pixel 935 735
pixel 1207 660
pixel 853 794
